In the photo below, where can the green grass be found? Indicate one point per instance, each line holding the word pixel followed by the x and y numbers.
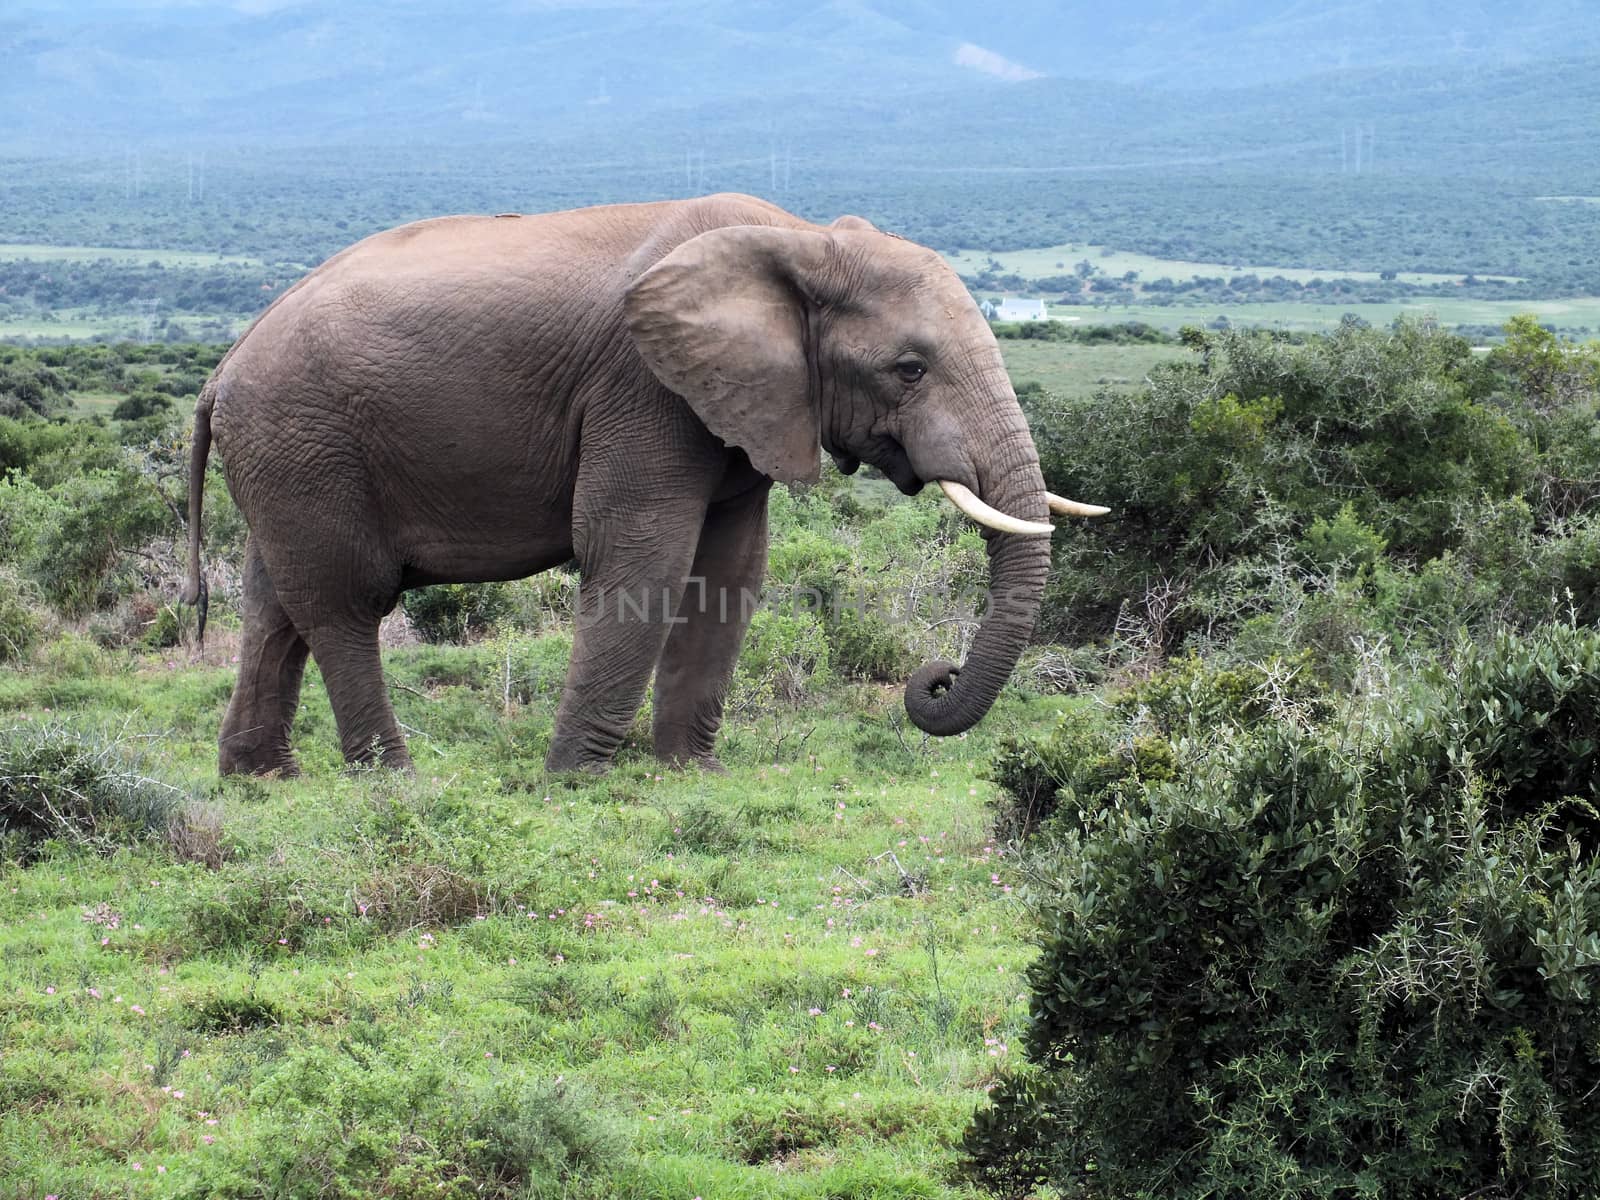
pixel 1581 313
pixel 1062 260
pixel 89 404
pixel 121 255
pixel 1074 369
pixel 71 325
pixel 796 980
pixel 86 326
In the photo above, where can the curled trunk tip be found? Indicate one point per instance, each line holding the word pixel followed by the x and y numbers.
pixel 927 699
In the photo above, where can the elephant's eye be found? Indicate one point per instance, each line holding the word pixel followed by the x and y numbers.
pixel 910 370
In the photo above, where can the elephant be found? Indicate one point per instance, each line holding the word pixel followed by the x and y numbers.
pixel 474 398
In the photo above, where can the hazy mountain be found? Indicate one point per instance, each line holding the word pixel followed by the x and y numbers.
pixel 96 70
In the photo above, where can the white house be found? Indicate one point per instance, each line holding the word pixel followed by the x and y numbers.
pixel 1021 310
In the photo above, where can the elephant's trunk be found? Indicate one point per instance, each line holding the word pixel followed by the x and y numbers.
pixel 942 699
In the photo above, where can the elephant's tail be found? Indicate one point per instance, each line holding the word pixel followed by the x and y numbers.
pixel 195 590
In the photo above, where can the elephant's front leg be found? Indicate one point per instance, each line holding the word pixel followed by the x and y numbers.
pixel 633 574
pixel 702 649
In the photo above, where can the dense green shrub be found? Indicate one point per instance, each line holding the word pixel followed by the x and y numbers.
pixel 20 620
pixel 79 543
pixel 784 657
pixel 79 788
pixel 27 443
pixel 1267 471
pixel 866 644
pixel 142 404
pixel 455 612
pixel 30 387
pixel 1091 758
pixel 1353 956
pixel 542 1137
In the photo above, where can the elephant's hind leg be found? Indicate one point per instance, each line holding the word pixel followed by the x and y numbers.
pixel 272 660
pixel 347 654
pixel 337 591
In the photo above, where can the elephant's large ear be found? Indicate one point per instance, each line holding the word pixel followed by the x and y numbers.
pixel 722 322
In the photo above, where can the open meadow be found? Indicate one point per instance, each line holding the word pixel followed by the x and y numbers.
pixel 120 255
pixel 798 979
pixel 1077 370
pixel 1047 261
pixel 1579 316
pixel 50 328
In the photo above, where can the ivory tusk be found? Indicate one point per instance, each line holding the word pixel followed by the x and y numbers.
pixel 962 497
pixel 1073 508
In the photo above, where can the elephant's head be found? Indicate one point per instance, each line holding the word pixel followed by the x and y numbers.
pixel 782 339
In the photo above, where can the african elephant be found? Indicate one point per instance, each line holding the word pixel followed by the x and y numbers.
pixel 483 397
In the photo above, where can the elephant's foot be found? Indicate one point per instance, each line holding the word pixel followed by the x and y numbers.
pixel 686 745
pixel 702 760
pixel 401 765
pixel 594 767
pixel 376 755
pixel 269 764
pixel 570 755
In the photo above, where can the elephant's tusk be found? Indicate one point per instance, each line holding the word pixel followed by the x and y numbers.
pixel 1073 508
pixel 963 498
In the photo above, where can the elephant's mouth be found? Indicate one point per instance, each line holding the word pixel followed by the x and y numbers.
pixel 887 455
pixel 890 457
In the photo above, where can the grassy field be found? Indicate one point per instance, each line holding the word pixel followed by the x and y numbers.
pixel 1570 314
pixel 1072 369
pixel 93 404
pixel 796 980
pixel 1061 260
pixel 121 255
pixel 75 326
pixel 81 327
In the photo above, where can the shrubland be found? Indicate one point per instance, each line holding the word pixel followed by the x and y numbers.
pixel 1315 878
pixel 1274 495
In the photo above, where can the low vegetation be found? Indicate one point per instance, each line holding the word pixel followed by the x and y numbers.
pixel 1316 884
pixel 1306 945
pixel 793 981
pixel 1270 875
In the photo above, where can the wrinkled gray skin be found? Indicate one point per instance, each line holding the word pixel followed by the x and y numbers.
pixel 478 398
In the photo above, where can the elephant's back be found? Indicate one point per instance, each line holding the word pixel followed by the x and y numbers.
pixel 438 364
pixel 499 323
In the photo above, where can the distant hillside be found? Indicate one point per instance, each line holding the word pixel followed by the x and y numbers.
pixel 106 70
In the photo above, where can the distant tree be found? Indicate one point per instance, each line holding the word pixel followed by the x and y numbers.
pixel 141 404
pixel 30 386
